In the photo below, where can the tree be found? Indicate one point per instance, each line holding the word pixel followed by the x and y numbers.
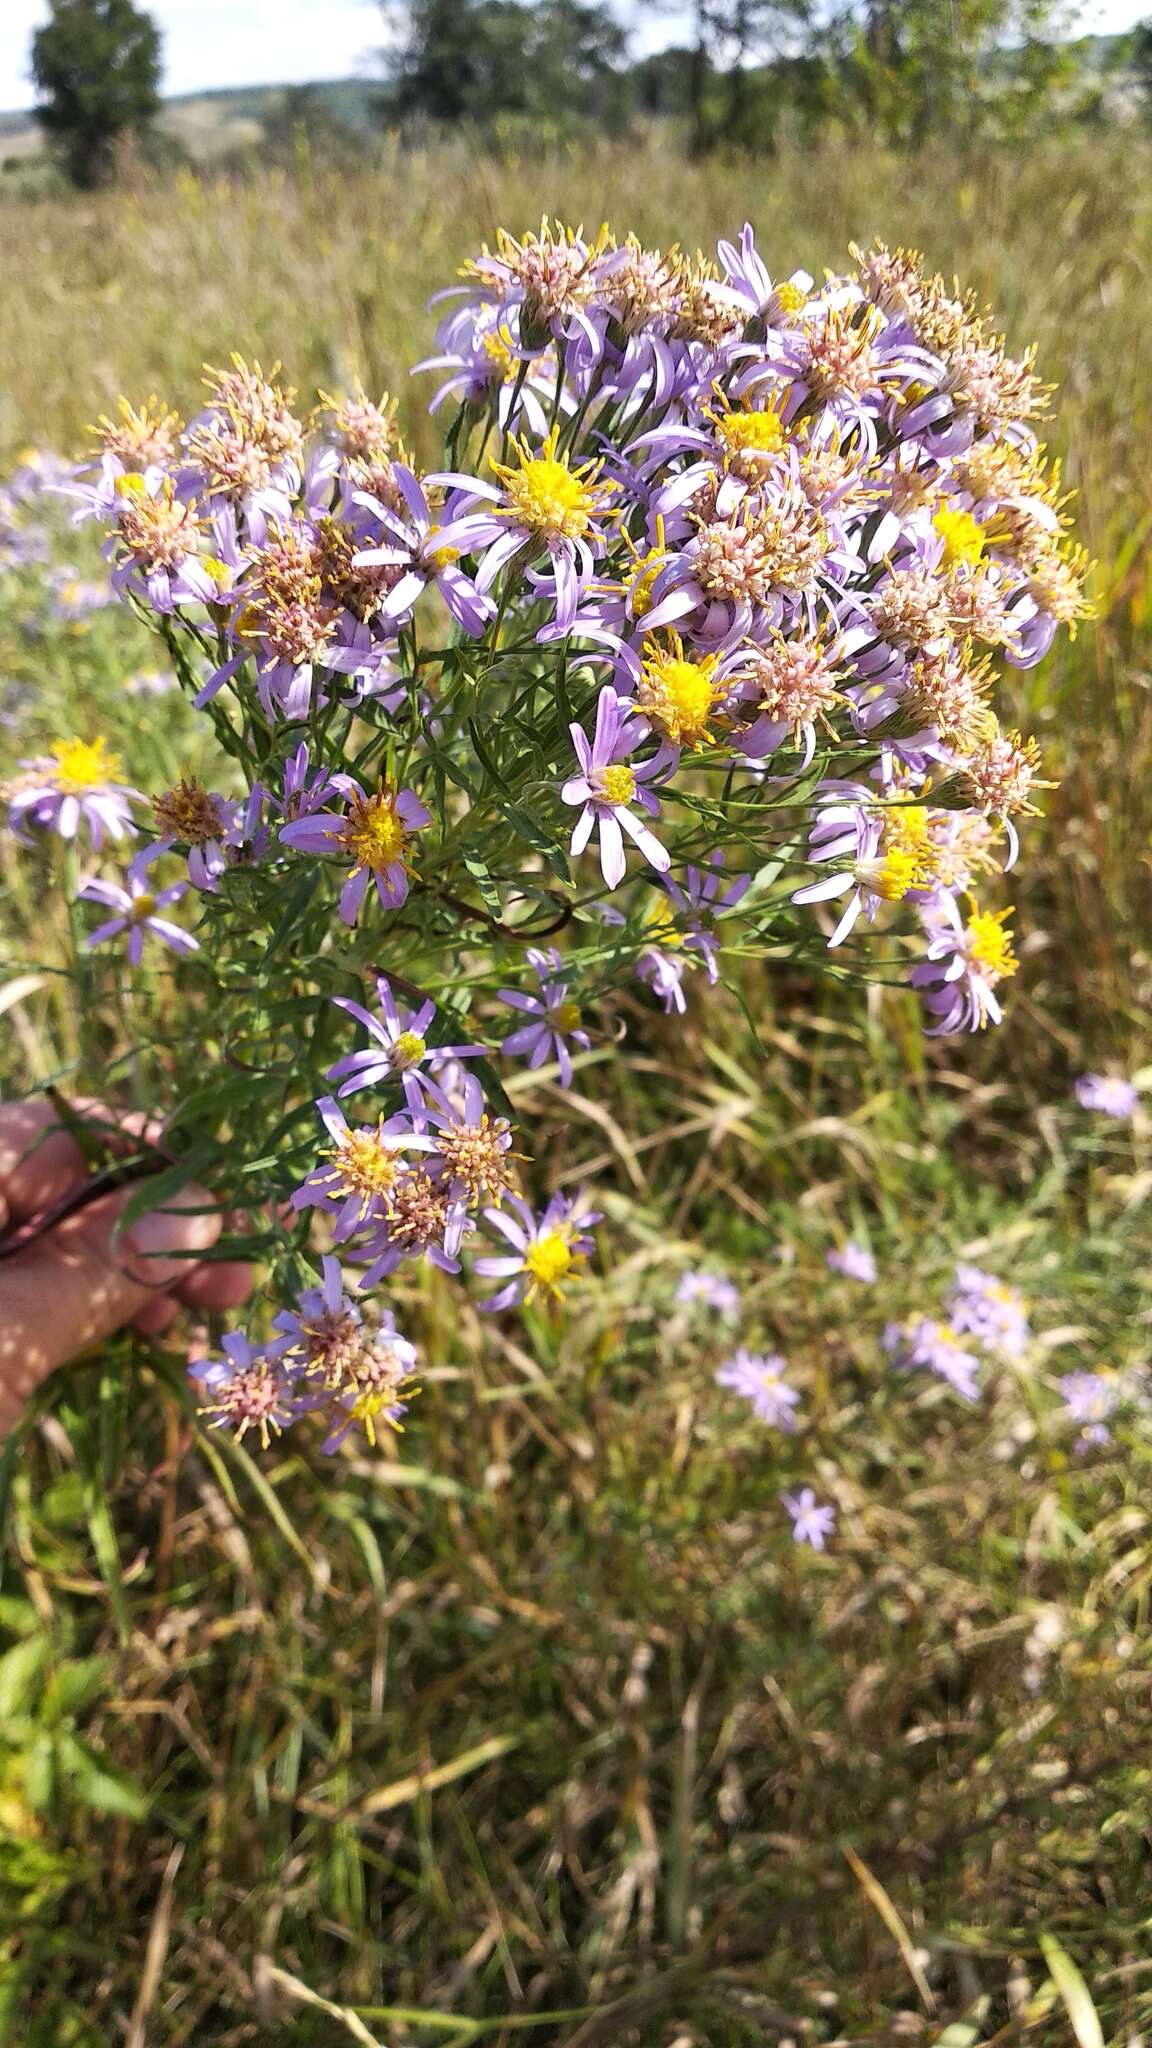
pixel 96 65
pixel 469 60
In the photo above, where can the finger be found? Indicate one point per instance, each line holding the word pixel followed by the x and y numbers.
pixel 156 1315
pixel 40 1161
pixel 223 1284
pixel 84 1279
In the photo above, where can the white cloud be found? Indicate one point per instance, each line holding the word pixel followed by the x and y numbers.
pixel 213 43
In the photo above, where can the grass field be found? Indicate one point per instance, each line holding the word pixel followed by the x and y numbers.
pixel 546 1733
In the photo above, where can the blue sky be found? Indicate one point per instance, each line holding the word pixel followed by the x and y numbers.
pixel 256 42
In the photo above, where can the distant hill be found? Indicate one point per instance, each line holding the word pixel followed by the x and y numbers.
pixel 210 124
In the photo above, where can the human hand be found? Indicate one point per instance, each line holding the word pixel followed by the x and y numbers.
pixel 87 1275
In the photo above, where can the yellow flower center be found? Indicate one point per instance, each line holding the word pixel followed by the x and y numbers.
pixel 790 297
pixel 678 694
pixel 891 877
pixel 496 346
pixel 907 844
pixel 84 764
pixel 439 558
pixel 407 1049
pixel 564 1017
pixel 617 783
pixel 374 834
pixel 640 582
pixel 963 536
pixel 548 1261
pixel 363 1162
pixel 130 485
pixel 990 944
pixel 142 907
pixel 369 1406
pixel 662 929
pixel 545 495
pixel 750 433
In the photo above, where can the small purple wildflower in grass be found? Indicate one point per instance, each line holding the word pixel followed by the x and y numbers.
pixel 710 1290
pixel 609 782
pixel 545 1249
pixel 983 1307
pixel 246 1389
pixel 760 1380
pixel 77 783
pixel 853 1261
pixel 400 1049
pixel 1108 1094
pixel 373 832
pixel 151 682
pixel 136 911
pixel 1090 1398
pixel 934 1347
pixel 353 1370
pixel 555 1018
pixel 812 1521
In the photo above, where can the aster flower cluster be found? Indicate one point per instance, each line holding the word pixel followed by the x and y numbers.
pixel 984 1320
pixel 693 633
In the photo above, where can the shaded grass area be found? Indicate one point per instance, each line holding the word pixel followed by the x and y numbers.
pixel 544 1715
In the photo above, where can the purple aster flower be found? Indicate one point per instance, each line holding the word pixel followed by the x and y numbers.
pixel 555 1018
pixel 137 911
pixel 983 1307
pixel 699 898
pixel 246 1389
pixel 812 1521
pixel 964 964
pixel 854 1261
pixel 711 1290
pixel 354 1181
pixel 759 1379
pixel 609 783
pixel 76 784
pixel 935 1347
pixel 1108 1094
pixel 472 1151
pixel 543 507
pixel 544 1249
pixel 479 347
pixel 1090 1399
pixel 663 973
pixel 415 548
pixel 373 832
pixel 354 1370
pixel 400 1049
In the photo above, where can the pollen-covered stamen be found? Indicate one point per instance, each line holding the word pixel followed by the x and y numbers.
pixel 417 1211
pixel 373 833
pixel 249 431
pixel 363 1164
pixel 159 530
pixel 361 589
pixel 189 813
pixel 141 437
pixel 79 765
pixel 795 684
pixel 840 356
pixel 328 1343
pixel 545 495
pixel 287 605
pixel 477 1156
pixel 253 1398
pixel 678 692
pixel 365 431
pixel 1000 776
pixel 779 548
pixel 945 692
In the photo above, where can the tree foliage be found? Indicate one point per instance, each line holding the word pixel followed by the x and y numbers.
pixel 467 60
pixel 96 65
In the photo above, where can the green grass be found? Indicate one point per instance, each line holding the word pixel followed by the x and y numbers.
pixel 545 1716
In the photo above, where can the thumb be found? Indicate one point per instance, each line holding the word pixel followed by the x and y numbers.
pixel 81 1281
